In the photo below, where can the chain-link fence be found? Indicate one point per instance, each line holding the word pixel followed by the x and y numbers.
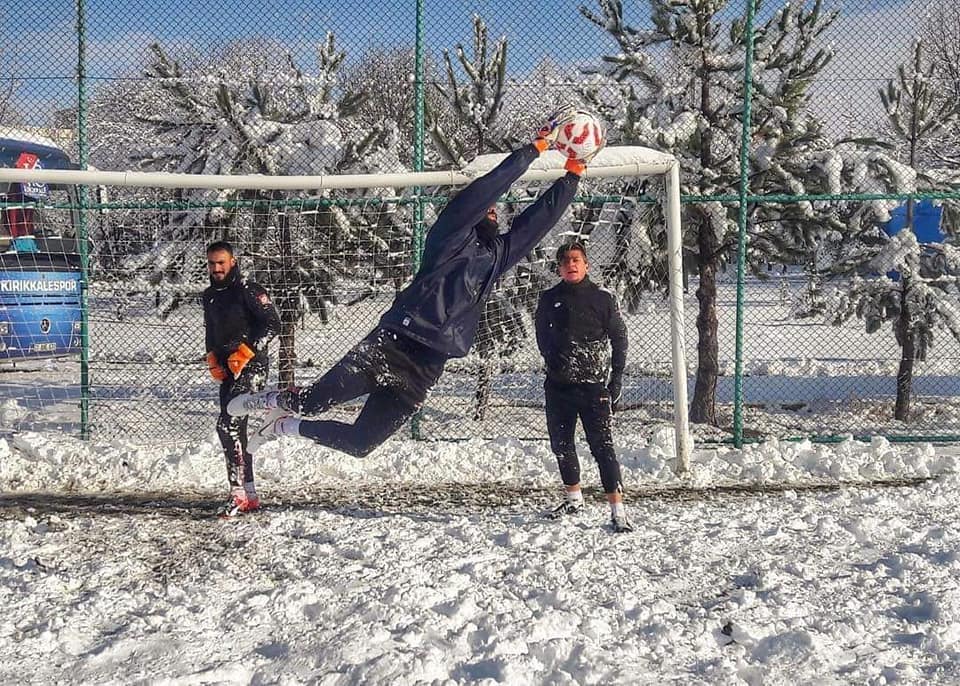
pixel 818 142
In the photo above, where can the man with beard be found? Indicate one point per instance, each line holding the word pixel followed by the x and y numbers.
pixel 239 320
pixel 433 319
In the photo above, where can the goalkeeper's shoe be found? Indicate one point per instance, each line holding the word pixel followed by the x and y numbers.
pixel 271 428
pixel 547 134
pixel 238 504
pixel 568 507
pixel 245 403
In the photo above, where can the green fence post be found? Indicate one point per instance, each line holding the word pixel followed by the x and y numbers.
pixel 418 133
pixel 82 148
pixel 742 225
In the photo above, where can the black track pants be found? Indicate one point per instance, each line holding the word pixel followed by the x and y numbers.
pixel 395 371
pixel 232 431
pixel 591 403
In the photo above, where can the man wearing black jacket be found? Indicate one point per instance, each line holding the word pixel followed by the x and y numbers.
pixel 239 321
pixel 575 322
pixel 433 319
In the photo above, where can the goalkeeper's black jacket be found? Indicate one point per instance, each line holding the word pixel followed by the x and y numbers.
pixel 574 322
pixel 238 311
pixel 442 305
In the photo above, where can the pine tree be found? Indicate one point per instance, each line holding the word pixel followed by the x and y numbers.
pixel 921 299
pixel 251 109
pixel 689 101
pixel 941 38
pixel 475 103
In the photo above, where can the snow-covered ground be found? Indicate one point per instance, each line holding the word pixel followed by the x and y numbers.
pixel 783 563
pixel 432 562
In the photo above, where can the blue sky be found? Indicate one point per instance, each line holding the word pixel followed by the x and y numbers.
pixel 39 43
pixel 44 43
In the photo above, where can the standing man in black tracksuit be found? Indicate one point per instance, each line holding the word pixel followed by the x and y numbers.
pixel 239 321
pixel 575 320
pixel 432 319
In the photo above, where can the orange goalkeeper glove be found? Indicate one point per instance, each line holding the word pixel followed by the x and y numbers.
pixel 575 166
pixel 216 370
pixel 238 359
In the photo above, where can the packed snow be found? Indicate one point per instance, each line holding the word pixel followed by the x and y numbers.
pixel 434 563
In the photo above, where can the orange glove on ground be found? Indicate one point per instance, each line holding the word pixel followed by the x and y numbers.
pixel 238 359
pixel 216 371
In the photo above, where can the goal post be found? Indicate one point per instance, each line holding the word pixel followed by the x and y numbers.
pixel 617 162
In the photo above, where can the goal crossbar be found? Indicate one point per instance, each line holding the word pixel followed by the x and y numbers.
pixel 611 162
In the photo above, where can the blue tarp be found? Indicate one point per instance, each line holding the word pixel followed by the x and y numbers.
pixel 926 221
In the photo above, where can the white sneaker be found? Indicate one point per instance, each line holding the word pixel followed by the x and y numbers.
pixel 567 507
pixel 269 430
pixel 245 403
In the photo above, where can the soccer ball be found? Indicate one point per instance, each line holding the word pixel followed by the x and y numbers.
pixel 580 138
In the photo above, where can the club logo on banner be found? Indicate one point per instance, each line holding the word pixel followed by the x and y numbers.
pixel 28 160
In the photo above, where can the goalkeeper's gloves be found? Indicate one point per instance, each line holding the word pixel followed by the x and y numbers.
pixel 579 165
pixel 216 369
pixel 575 166
pixel 615 389
pixel 547 134
pixel 238 359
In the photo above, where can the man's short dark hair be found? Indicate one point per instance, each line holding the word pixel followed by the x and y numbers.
pixel 571 245
pixel 217 246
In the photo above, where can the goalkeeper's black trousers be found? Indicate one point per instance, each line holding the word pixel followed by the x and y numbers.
pixel 591 403
pixel 394 370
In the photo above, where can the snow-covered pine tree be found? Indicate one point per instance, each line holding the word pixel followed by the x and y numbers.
pixel 249 108
pixel 476 101
pixel 679 87
pixel 924 296
pixel 688 101
pixel 941 37
pixel 930 300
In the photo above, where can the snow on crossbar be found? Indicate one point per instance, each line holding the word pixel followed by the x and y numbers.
pixel 611 162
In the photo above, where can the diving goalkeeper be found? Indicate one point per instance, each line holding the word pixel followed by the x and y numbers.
pixel 433 319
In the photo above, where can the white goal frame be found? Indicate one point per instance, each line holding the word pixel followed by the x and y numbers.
pixel 611 162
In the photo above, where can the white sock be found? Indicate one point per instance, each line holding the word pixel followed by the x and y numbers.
pixel 618 510
pixel 250 490
pixel 575 497
pixel 289 426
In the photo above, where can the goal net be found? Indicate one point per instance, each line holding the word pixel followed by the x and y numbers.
pixel 332 251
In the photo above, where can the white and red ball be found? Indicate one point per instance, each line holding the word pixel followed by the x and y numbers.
pixel 581 137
